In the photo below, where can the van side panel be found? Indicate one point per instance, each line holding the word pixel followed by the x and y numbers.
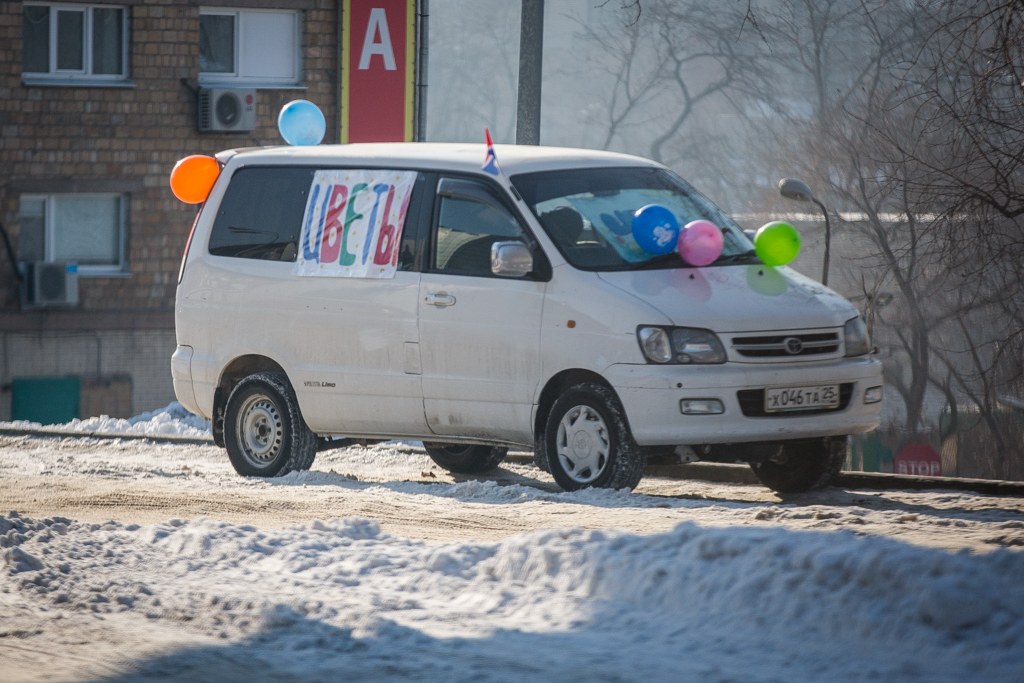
pixel 589 324
pixel 347 355
pixel 341 341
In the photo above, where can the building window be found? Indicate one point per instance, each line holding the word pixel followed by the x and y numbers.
pixel 75 42
pixel 249 47
pixel 87 229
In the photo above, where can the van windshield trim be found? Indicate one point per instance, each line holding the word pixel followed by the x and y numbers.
pixel 598 203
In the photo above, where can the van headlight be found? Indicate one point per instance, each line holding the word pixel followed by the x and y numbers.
pixel 855 337
pixel 680 345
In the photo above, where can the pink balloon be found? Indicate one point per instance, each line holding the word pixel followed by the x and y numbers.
pixel 700 242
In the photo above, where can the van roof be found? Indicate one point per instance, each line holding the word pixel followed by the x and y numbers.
pixel 451 156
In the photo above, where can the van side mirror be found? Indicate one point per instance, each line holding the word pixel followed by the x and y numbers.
pixel 511 259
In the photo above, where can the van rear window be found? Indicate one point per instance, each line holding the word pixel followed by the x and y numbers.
pixel 260 216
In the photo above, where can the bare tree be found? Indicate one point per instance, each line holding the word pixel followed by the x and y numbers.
pixel 966 82
pixel 665 61
pixel 963 160
pixel 474 71
pixel 702 57
pixel 631 68
pixel 908 119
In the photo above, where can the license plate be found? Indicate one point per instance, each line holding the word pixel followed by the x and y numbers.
pixel 777 399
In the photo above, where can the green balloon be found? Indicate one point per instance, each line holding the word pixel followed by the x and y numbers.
pixel 777 243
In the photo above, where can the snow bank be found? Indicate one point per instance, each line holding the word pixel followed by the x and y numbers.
pixel 749 604
pixel 475 491
pixel 170 420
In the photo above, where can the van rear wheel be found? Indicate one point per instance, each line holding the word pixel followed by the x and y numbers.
pixel 589 443
pixel 803 465
pixel 465 458
pixel 264 432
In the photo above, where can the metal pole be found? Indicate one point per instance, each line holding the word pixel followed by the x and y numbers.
pixel 828 242
pixel 423 45
pixel 337 76
pixel 531 47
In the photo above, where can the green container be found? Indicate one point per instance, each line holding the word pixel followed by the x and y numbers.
pixel 47 400
pixel 876 457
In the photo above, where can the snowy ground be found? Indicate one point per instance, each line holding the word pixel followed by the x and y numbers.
pixel 172 420
pixel 376 565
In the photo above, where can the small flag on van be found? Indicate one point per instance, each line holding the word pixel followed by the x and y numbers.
pixel 491 162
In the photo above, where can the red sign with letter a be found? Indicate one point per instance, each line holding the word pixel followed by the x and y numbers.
pixel 378 50
pixel 919 459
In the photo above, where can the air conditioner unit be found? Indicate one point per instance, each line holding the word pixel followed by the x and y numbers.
pixel 231 110
pixel 51 284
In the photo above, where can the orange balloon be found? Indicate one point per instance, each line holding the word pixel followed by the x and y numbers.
pixel 192 178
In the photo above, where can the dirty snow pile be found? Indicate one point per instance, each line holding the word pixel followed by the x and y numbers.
pixel 339 600
pixel 172 420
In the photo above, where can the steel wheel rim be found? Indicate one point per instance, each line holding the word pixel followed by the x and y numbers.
pixel 583 444
pixel 260 431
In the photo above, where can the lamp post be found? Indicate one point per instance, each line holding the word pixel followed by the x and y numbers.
pixel 791 188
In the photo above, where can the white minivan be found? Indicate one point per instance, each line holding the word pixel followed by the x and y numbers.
pixel 399 291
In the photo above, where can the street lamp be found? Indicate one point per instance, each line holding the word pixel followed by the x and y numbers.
pixel 791 188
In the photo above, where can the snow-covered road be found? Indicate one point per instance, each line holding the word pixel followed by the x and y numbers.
pixel 339 600
pixel 376 565
pixel 139 482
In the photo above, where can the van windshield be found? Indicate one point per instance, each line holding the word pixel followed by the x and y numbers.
pixel 588 213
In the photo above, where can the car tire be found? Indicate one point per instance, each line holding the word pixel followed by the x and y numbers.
pixel 465 458
pixel 589 443
pixel 264 432
pixel 540 451
pixel 803 465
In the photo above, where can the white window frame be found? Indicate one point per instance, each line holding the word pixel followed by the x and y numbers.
pixel 85 75
pixel 236 80
pixel 49 239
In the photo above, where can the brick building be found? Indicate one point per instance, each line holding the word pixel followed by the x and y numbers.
pixel 97 103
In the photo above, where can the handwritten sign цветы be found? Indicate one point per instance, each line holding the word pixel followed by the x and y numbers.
pixel 352 226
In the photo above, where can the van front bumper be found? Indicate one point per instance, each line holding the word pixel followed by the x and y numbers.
pixel 651 395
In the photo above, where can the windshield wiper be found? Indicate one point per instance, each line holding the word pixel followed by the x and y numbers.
pixel 674 260
pixel 735 258
pixel 656 262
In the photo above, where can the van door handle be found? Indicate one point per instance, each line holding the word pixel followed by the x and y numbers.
pixel 439 299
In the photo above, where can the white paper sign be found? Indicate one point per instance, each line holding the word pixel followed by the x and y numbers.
pixel 353 223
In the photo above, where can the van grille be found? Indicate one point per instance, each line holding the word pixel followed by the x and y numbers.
pixel 752 403
pixel 787 345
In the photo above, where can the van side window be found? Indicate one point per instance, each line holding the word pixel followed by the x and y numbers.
pixel 415 222
pixel 470 219
pixel 261 214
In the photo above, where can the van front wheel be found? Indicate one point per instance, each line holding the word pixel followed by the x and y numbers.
pixel 589 443
pixel 264 432
pixel 465 458
pixel 803 465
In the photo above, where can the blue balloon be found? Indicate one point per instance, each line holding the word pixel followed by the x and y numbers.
pixel 656 229
pixel 301 123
